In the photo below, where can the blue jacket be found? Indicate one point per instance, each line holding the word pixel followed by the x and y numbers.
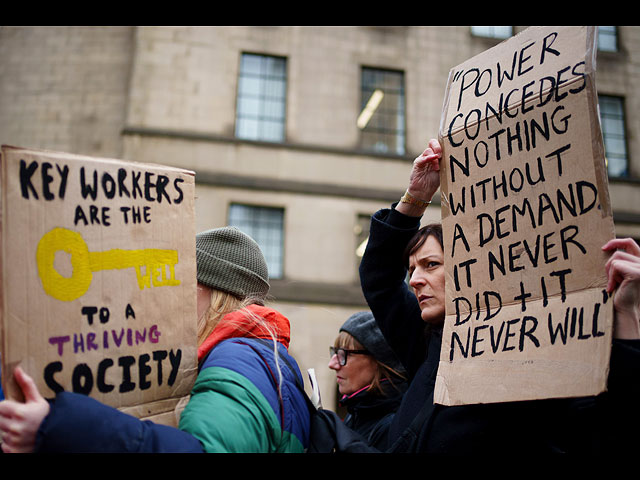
pixel 234 407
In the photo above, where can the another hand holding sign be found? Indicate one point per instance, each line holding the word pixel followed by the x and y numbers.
pixel 19 422
pixel 623 272
pixel 424 180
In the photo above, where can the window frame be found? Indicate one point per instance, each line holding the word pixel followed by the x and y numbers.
pixel 379 135
pixel 623 134
pixel 261 98
pixel 258 212
pixel 613 33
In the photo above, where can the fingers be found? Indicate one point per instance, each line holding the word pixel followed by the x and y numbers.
pixel 429 159
pixel 433 151
pixel 28 386
pixel 13 443
pixel 9 411
pixel 624 263
pixel 620 267
pixel 626 244
pixel 435 146
pixel 19 422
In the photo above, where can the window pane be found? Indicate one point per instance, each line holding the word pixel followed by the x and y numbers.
pixel 248 107
pixel 274 89
pixel 250 64
pixel 272 110
pixel 249 86
pixel 266 226
pixel 261 102
pixel 492 31
pixel 607 39
pixel 247 128
pixel 382 114
pixel 614 134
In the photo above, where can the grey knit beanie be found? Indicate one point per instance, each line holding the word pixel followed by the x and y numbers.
pixel 363 327
pixel 229 260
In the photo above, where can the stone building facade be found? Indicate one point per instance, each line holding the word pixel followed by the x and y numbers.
pixel 268 118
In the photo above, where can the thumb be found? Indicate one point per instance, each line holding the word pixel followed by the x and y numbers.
pixel 28 386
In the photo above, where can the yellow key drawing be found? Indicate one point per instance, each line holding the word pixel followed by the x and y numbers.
pixel 84 263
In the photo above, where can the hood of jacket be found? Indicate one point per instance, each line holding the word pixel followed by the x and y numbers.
pixel 254 321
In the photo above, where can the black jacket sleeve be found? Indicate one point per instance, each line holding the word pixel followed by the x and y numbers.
pixel 383 280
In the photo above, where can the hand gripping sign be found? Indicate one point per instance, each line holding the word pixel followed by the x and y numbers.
pixel 98 286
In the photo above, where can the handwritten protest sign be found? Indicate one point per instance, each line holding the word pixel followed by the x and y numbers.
pixel 525 214
pixel 98 277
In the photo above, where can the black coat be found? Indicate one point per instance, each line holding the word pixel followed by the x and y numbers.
pixel 371 414
pixel 592 424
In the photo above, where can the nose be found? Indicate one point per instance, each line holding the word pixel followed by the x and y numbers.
pixel 417 278
pixel 333 363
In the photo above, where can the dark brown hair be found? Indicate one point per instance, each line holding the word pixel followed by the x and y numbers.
pixel 434 229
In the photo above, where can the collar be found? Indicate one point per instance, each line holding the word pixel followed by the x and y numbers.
pixel 240 324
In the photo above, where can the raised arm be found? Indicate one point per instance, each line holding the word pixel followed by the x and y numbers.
pixel 382 272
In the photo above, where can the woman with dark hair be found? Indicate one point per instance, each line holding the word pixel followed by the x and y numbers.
pixel 412 319
pixel 370 378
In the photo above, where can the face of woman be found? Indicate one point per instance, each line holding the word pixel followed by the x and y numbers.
pixel 357 373
pixel 426 277
pixel 203 299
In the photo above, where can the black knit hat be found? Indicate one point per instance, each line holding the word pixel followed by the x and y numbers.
pixel 229 260
pixel 363 327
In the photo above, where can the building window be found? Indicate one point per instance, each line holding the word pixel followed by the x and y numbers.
pixel 382 111
pixel 266 226
pixel 492 32
pixel 261 102
pixel 613 132
pixel 608 39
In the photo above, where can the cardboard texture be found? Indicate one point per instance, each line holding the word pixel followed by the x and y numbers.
pixel 525 212
pixel 98 278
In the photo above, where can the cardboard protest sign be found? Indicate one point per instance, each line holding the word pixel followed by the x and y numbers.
pixel 98 277
pixel 525 212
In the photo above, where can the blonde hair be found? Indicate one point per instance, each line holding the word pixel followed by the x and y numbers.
pixel 223 303
pixel 383 371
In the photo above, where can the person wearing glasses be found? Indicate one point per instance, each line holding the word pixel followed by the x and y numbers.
pixel 411 318
pixel 246 397
pixel 369 376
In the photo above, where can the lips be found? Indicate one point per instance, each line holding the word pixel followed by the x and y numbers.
pixel 424 297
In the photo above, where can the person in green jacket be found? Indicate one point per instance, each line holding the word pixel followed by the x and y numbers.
pixel 247 396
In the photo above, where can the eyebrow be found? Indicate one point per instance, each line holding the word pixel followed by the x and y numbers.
pixel 429 256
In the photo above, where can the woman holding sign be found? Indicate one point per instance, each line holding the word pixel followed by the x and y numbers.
pixel 412 318
pixel 246 397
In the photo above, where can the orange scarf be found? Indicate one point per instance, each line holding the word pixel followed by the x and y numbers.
pixel 239 324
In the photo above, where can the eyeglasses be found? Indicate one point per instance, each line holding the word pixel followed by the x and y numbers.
pixel 343 353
